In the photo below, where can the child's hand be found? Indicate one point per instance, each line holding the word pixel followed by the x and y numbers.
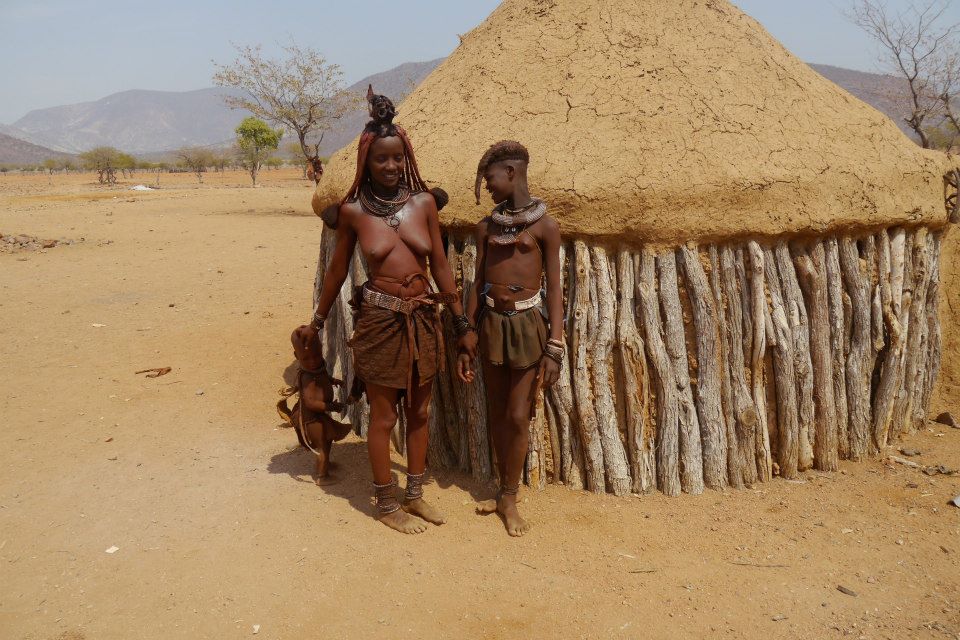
pixel 465 368
pixel 549 372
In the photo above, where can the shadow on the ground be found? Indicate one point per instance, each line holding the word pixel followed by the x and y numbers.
pixel 351 470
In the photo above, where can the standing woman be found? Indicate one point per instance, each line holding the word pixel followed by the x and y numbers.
pixel 397 341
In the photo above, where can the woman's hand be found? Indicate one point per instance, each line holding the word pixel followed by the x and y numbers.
pixel 465 368
pixel 467 343
pixel 549 372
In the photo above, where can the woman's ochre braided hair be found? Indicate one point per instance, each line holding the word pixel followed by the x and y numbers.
pixel 498 152
pixel 382 113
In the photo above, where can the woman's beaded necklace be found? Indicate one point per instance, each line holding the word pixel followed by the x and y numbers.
pixel 387 209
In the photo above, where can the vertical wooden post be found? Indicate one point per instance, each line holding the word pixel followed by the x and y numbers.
pixel 858 375
pixel 633 379
pixel 580 370
pixel 713 429
pixel 601 355
pixel 662 379
pixel 691 453
pixel 813 272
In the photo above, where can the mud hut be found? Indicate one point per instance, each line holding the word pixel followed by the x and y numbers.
pixel 751 253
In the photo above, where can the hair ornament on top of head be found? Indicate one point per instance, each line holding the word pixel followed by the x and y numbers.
pixel 382 113
pixel 499 152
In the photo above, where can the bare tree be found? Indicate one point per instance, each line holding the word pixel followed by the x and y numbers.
pixel 196 159
pixel 302 92
pixel 915 45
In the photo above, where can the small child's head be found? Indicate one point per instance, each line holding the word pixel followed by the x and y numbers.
pixel 503 166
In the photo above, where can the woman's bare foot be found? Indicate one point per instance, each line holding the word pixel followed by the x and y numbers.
pixel 506 507
pixel 400 521
pixel 419 507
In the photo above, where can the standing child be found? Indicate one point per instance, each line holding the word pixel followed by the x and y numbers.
pixel 520 350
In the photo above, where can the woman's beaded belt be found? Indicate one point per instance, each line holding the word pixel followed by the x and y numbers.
pixel 405 306
pixel 519 305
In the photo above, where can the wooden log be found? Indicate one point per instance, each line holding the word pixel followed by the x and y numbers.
pixel 536 463
pixel 759 314
pixel 858 375
pixel 813 272
pixel 554 464
pixel 745 411
pixel 897 246
pixel 931 365
pixel 788 427
pixel 691 451
pixel 839 338
pixel 917 328
pixel 580 370
pixel 633 379
pixel 561 395
pixel 741 259
pixel 473 396
pixel 601 352
pixel 662 379
pixel 802 365
pixel 439 455
pixel 713 429
pixel 722 303
pixel 891 363
pixel 910 281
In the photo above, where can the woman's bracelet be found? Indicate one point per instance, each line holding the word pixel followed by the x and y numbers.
pixel 318 321
pixel 462 326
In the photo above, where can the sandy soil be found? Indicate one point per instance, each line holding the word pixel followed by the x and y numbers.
pixel 219 528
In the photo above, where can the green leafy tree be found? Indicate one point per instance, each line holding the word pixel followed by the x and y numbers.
pixel 273 162
pixel 51 165
pixel 301 92
pixel 105 161
pixel 127 163
pixel 255 143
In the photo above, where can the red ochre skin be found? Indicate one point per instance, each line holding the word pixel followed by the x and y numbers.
pixel 391 256
pixel 536 251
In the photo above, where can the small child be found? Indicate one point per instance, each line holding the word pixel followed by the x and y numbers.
pixel 521 351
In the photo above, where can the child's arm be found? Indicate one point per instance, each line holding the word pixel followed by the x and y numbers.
pixel 550 369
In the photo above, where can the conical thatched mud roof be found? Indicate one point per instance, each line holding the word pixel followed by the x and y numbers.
pixel 658 120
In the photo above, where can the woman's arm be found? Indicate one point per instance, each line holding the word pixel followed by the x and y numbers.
pixel 339 266
pixel 439 265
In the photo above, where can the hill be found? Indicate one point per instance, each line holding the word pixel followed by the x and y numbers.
pixel 136 121
pixel 19 152
pixel 885 93
pixel 396 83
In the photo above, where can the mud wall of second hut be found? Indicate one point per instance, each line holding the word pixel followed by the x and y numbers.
pixel 708 366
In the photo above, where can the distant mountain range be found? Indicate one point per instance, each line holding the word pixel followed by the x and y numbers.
pixel 16 151
pixel 885 93
pixel 149 123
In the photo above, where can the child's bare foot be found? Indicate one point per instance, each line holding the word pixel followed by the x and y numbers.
pixel 506 507
pixel 400 521
pixel 421 508
pixel 326 480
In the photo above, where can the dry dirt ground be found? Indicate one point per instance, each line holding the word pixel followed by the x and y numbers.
pixel 219 531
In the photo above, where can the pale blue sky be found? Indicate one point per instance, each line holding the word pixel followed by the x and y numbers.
pixel 56 52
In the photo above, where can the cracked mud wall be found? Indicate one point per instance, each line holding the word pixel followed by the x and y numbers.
pixel 659 121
